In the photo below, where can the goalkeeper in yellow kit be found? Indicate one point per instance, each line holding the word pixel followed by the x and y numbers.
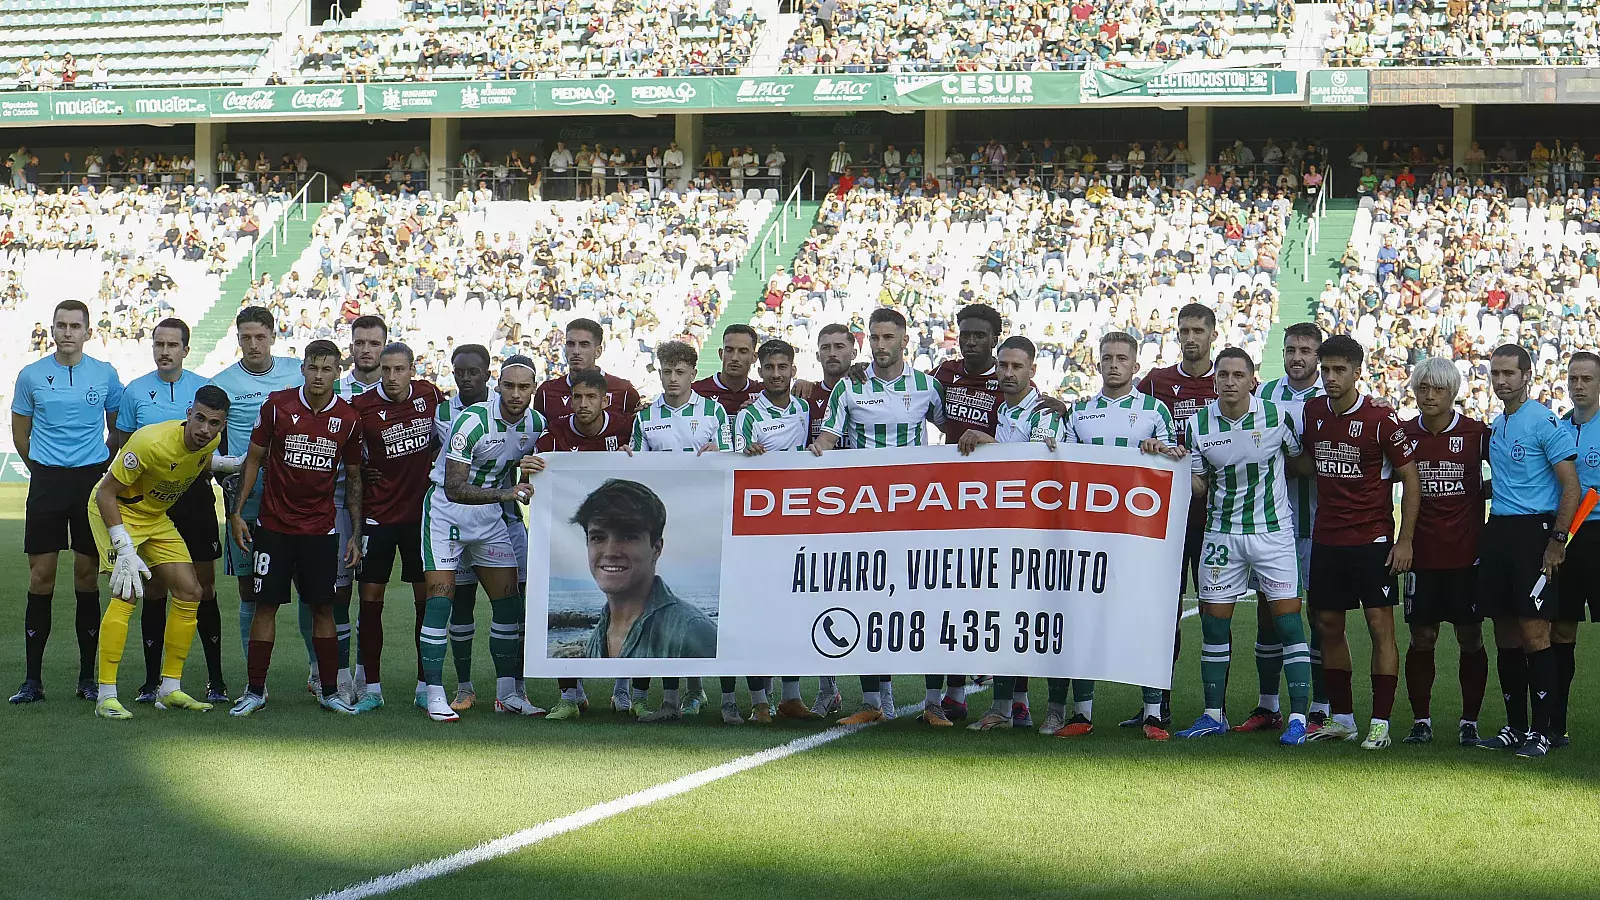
pixel 137 540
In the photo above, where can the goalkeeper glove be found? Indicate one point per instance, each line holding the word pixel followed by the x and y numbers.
pixel 128 572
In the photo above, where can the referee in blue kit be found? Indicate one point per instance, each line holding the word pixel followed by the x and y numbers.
pixel 1523 544
pixel 63 408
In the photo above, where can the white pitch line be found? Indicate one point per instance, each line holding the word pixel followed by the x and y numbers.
pixel 511 843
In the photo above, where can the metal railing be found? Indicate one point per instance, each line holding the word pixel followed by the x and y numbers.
pixel 1315 212
pixel 280 226
pixel 777 234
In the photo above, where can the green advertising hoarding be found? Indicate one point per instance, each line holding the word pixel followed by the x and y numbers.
pixel 1166 82
pixel 802 91
pixel 444 97
pixel 987 89
pixel 287 101
pixel 625 94
pixel 1339 87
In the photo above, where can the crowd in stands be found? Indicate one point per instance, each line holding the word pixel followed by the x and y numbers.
pixel 466 39
pixel 1463 32
pixel 1063 265
pixel 446 271
pixel 881 36
pixel 50 73
pixel 1461 263
pixel 156 170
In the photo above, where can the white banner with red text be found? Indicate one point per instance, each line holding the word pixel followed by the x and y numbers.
pixel 1016 560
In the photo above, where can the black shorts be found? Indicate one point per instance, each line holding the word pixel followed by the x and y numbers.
pixel 1510 560
pixel 1346 578
pixel 310 562
pixel 1435 596
pixel 381 543
pixel 1578 588
pixel 57 512
pixel 1193 542
pixel 195 516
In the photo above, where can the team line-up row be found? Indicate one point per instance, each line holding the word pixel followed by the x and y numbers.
pixel 328 479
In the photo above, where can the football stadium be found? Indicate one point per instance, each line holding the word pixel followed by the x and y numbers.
pixel 1288 310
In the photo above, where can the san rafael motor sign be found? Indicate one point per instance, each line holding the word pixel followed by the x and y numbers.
pixel 1339 87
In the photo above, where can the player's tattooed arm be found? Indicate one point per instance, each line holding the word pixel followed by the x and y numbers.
pixel 354 489
pixel 459 489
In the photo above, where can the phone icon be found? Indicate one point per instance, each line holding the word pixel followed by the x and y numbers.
pixel 827 629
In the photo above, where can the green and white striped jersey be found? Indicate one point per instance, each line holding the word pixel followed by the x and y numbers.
pixel 776 428
pixel 1027 421
pixel 875 413
pixel 1122 422
pixel 348 388
pixel 444 417
pixel 1243 463
pixel 1302 491
pixel 493 447
pixel 693 425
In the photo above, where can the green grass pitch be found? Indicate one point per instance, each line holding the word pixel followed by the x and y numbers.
pixel 294 802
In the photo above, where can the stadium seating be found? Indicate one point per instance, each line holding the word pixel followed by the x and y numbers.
pixel 509 274
pixel 147 42
pixel 1063 271
pixel 1453 32
pixel 873 36
pixel 450 40
pixel 1458 276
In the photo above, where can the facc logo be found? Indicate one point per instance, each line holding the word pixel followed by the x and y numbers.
pixel 753 91
pixel 840 89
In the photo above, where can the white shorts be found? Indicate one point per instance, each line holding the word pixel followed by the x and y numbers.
pixel 1302 555
pixel 341 527
pixel 517 530
pixel 1230 564
pixel 458 534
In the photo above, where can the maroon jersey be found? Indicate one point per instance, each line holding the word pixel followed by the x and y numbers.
pixel 970 401
pixel 732 399
pixel 1183 394
pixel 1450 467
pixel 553 398
pixel 818 401
pixel 563 434
pixel 399 439
pixel 305 449
pixel 1356 454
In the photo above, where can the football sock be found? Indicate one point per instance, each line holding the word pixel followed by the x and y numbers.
pixel 1269 702
pixel 1151 698
pixel 36 633
pixel 869 683
pixel 152 628
pixel 327 651
pixel 88 632
pixel 1419 681
pixel 569 694
pixel 934 683
pixel 1269 659
pixel 1058 688
pixel 341 627
pixel 416 634
pixel 505 633
pixel 827 686
pixel 639 688
pixel 1341 699
pixel 670 695
pixel 1566 668
pixel 1004 689
pixel 369 640
pixel 932 696
pixel 1152 710
pixel 178 637
pixel 208 622
pixel 304 612
pixel 1319 687
pixel 1542 688
pixel 1512 667
pixel 463 628
pixel 666 684
pixel 1474 674
pixel 696 686
pixel 759 696
pixel 258 658
pixel 790 688
pixel 1215 655
pixel 504 686
pixel 247 614
pixel 1019 687
pixel 1083 697
pixel 619 687
pixel 730 698
pixel 1383 687
pixel 958 693
pixel 113 635
pixel 872 699
pixel 436 638
pixel 728 685
pixel 1296 660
